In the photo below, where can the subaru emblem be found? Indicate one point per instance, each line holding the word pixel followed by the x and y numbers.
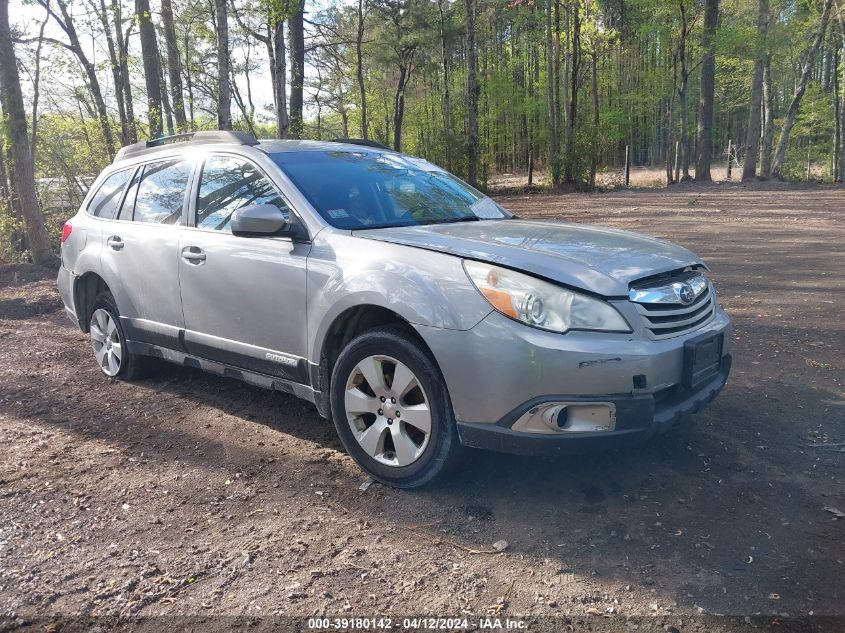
pixel 685 293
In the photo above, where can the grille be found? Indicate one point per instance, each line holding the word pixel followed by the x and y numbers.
pixel 665 319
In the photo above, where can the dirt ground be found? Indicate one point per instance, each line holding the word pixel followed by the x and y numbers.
pixel 188 494
pixel 642 177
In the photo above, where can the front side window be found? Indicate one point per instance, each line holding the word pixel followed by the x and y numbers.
pixel 227 184
pixel 161 194
pixel 105 201
pixel 360 189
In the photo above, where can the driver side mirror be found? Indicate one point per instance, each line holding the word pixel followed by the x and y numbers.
pixel 257 220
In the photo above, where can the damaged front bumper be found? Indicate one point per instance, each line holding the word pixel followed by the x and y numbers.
pixel 632 418
pixel 521 390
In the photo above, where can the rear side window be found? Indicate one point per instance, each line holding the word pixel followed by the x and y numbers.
pixel 105 201
pixel 227 184
pixel 125 212
pixel 161 194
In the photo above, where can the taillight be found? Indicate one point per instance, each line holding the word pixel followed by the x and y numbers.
pixel 66 231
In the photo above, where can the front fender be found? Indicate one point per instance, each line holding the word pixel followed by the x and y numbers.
pixel 422 287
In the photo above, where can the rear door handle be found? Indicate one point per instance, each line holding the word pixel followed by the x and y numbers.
pixel 193 255
pixel 115 242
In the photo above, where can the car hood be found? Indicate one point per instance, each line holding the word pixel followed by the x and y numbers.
pixel 600 260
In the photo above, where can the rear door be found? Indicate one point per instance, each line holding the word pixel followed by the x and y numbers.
pixel 84 242
pixel 243 297
pixel 140 251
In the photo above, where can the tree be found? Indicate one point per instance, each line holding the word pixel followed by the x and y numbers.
pixel 66 23
pixel 681 67
pixel 359 68
pixel 10 89
pixel 297 66
pixel 552 104
pixel 704 143
pixel 271 33
pixel 122 40
pixel 165 99
pixel 152 73
pixel 36 91
pixel 404 30
pixel 174 66
pixel 115 51
pixel 472 98
pixel 768 120
pixel 569 172
pixel 752 135
pixel 282 120
pixel 806 71
pixel 840 18
pixel 224 91
pixel 837 127
pixel 678 63
pixel 446 108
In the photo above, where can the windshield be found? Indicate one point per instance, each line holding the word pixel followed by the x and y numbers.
pixel 354 189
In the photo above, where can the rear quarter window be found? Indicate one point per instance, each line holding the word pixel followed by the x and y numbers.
pixel 104 202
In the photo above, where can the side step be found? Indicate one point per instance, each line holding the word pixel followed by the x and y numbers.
pixel 221 369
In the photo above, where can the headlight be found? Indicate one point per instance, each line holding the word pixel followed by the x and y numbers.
pixel 541 304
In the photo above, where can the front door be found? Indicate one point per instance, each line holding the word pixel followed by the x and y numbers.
pixel 243 297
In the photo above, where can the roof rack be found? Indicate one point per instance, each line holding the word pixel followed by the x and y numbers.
pixel 361 141
pixel 211 136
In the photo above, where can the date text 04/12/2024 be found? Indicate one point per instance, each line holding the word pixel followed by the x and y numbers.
pixel 417 624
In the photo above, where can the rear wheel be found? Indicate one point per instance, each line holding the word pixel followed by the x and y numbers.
pixel 391 409
pixel 108 341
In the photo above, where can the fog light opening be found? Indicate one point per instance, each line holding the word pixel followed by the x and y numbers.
pixel 568 417
pixel 562 418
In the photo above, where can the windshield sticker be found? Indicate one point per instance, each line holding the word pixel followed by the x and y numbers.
pixel 337 214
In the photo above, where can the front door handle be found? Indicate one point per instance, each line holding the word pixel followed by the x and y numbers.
pixel 193 255
pixel 115 242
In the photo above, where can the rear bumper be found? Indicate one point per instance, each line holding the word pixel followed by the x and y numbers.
pixel 638 418
pixel 65 282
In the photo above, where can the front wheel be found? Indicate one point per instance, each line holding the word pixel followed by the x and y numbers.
pixel 391 409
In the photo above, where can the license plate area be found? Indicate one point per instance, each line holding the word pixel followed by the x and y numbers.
pixel 702 357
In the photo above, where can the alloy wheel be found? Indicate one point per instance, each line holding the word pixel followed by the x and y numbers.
pixel 388 410
pixel 105 340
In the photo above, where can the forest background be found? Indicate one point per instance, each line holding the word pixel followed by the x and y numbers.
pixel 558 91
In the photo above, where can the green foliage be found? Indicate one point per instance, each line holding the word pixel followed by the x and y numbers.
pixel 69 147
pixel 811 135
pixel 11 230
pixel 636 44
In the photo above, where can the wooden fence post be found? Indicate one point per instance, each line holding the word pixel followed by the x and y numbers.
pixel 809 147
pixel 530 165
pixel 627 166
pixel 730 158
pixel 677 159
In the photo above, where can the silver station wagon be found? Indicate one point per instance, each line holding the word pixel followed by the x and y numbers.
pixel 411 309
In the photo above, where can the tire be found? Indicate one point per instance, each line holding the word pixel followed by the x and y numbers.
pixel 108 340
pixel 403 452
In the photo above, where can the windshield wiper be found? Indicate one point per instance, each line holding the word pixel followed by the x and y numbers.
pixel 466 218
pixel 393 225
